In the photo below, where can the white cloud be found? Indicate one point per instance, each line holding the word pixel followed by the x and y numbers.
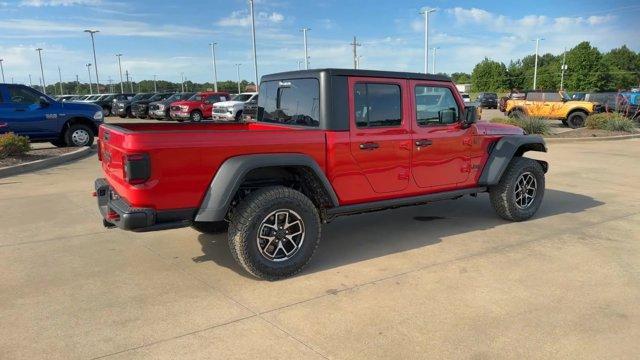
pixel 243 18
pixel 41 3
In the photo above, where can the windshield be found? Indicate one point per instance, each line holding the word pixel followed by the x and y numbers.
pixel 185 96
pixel 242 97
pixel 92 97
pixel 158 97
pixel 196 97
pixel 141 97
pixel 565 96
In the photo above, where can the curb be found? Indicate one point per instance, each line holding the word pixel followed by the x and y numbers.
pixel 44 163
pixel 587 139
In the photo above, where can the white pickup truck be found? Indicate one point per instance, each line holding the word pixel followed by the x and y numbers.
pixel 232 110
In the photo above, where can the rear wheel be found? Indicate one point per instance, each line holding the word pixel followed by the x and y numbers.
pixel 79 135
pixel 576 119
pixel 274 232
pixel 196 116
pixel 516 114
pixel 519 193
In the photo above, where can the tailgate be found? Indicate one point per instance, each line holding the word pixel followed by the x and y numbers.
pixel 111 151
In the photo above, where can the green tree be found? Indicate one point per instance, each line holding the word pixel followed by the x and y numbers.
pixel 461 78
pixel 489 75
pixel 585 69
pixel 624 65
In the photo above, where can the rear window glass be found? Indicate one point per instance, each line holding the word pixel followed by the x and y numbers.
pixel 291 102
pixel 534 96
pixel 377 105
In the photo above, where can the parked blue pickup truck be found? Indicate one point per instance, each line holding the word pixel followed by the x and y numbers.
pixel 28 112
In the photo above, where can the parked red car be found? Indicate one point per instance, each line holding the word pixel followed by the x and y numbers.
pixel 326 143
pixel 198 107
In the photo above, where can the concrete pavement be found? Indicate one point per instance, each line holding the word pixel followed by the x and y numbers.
pixel 445 280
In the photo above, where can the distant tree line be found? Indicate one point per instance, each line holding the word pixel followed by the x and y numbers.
pixel 587 70
pixel 145 86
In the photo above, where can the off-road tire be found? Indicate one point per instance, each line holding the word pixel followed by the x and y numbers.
pixel 69 139
pixel 245 224
pixel 576 119
pixel 238 116
pixel 516 114
pixel 210 227
pixel 503 197
pixel 196 116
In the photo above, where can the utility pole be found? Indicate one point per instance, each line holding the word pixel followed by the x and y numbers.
pixel 535 68
pixel 426 13
pixel 77 84
pixel 95 61
pixel 213 65
pixel 89 71
pixel 563 69
pixel 355 44
pixel 129 81
pixel 358 61
pixel 299 64
pixel 182 81
pixel 253 36
pixel 30 82
pixel 155 86
pixel 110 84
pixel 238 73
pixel 120 68
pixel 44 86
pixel 433 65
pixel 2 69
pixel 60 77
pixel 306 50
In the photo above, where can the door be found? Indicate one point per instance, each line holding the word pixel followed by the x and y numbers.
pixel 553 105
pixel 379 132
pixel 25 116
pixel 441 145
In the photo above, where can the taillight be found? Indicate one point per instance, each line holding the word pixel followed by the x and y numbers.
pixel 136 168
pixel 99 145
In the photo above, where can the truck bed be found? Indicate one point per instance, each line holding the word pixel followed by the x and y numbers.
pixel 185 157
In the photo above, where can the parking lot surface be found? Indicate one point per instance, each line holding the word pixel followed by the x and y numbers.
pixel 445 280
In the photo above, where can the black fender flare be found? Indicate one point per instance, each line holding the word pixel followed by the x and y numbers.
pixel 504 150
pixel 232 172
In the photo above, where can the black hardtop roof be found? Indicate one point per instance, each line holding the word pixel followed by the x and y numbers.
pixel 355 72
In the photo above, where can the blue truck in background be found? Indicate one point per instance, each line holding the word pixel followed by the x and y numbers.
pixel 28 112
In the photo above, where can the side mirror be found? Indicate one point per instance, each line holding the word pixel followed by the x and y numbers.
pixel 470 115
pixel 43 102
pixel 446 116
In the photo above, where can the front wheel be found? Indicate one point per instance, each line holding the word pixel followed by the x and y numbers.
pixel 196 116
pixel 106 111
pixel 274 232
pixel 79 135
pixel 519 193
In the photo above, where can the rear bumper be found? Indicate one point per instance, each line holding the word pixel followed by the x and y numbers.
pixel 116 212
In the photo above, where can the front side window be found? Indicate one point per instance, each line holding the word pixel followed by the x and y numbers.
pixel 291 102
pixel 377 105
pixel 23 95
pixel 435 106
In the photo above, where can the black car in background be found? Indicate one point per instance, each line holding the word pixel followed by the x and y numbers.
pixel 160 109
pixel 106 102
pixel 140 108
pixel 488 100
pixel 122 108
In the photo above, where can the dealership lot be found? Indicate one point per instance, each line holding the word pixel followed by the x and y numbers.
pixel 448 279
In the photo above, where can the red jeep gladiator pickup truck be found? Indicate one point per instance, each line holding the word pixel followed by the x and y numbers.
pixel 326 143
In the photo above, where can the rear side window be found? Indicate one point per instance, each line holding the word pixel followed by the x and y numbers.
pixel 552 97
pixel 377 105
pixel 534 96
pixel 292 102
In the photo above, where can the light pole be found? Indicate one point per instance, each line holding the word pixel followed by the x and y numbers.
pixel 238 73
pixel 355 44
pixel 60 78
pixel 89 71
pixel 120 68
pixel 426 13
pixel 306 50
pixel 433 64
pixel 44 86
pixel 535 67
pixel 110 84
pixel 563 69
pixel 358 61
pixel 30 82
pixel 2 69
pixel 253 37
pixel 299 64
pixel 155 86
pixel 126 72
pixel 182 81
pixel 95 61
pixel 213 65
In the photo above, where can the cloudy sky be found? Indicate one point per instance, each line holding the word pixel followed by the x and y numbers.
pixel 168 38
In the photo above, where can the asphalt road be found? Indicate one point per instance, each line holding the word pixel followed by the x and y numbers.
pixel 446 280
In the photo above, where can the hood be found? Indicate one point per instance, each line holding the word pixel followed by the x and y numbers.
pixel 229 103
pixel 187 103
pixel 487 128
pixel 125 102
pixel 581 103
pixel 78 106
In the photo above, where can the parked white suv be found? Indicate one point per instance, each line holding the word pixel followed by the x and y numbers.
pixel 232 110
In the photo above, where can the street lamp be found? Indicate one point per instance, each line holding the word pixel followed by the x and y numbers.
pixel 238 73
pixel 155 87
pixel 213 65
pixel 60 77
pixel 299 64
pixel 44 85
pixel 253 37
pixel 535 67
pixel 120 67
pixel 306 50
pixel 433 65
pixel 426 13
pixel 2 69
pixel 89 71
pixel 95 61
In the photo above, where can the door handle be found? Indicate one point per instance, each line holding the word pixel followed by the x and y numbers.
pixel 423 142
pixel 369 146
